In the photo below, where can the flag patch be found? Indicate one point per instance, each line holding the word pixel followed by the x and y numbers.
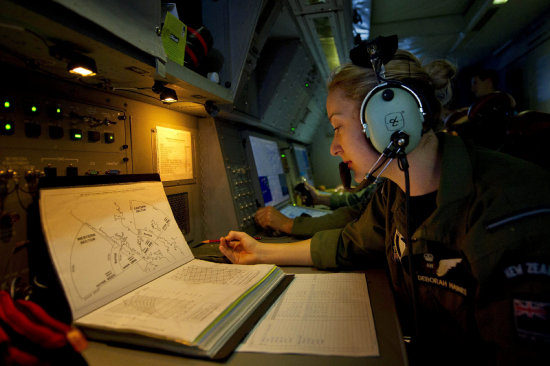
pixel 532 319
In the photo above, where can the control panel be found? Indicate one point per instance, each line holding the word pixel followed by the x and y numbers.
pixel 239 176
pixel 61 137
pixel 243 194
pixel 46 135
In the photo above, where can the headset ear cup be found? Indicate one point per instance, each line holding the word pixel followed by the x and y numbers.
pixel 390 108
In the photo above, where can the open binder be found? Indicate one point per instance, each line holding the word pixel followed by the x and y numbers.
pixel 129 276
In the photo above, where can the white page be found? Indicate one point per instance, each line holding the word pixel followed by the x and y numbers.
pixel 106 240
pixel 321 314
pixel 174 154
pixel 181 304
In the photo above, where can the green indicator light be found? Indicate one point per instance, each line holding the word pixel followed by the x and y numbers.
pixel 77 136
pixel 111 137
pixel 283 156
pixel 307 85
pixel 7 128
pixel 34 109
pixel 293 129
pixel 58 110
pixel 7 104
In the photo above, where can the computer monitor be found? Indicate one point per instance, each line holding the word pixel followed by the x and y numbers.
pixel 269 169
pixel 302 161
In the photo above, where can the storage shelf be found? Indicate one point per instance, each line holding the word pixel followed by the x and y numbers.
pixel 123 68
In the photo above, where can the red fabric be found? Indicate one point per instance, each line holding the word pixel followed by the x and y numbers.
pixel 200 38
pixel 191 54
pixel 43 317
pixel 3 336
pixel 21 324
pixel 20 358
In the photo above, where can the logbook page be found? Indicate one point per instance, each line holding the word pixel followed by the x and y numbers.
pixel 321 314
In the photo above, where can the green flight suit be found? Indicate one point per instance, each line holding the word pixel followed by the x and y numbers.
pixel 348 199
pixel 482 258
pixel 351 206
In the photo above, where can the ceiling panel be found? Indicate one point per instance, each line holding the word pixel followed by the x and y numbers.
pixel 385 12
pixel 463 31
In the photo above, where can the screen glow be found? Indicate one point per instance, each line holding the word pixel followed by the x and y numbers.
pixel 269 168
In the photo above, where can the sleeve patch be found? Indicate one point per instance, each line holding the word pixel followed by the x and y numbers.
pixel 531 268
pixel 531 319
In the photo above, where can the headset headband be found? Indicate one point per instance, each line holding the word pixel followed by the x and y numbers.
pixel 392 114
pixel 379 51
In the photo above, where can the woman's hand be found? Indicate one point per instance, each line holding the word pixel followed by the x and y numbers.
pixel 240 248
pixel 271 218
pixel 318 197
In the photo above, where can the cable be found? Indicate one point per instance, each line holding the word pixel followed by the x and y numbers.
pixel 377 164
pixel 404 166
pixel 26 208
pixel 23 29
pixel 383 169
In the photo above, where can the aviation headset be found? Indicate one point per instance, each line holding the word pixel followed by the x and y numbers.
pixel 392 113
pixel 393 116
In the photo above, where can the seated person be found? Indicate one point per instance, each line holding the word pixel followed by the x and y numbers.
pixel 348 206
pixel 486 120
pixel 339 198
pixel 443 73
pixel 475 288
pixel 483 83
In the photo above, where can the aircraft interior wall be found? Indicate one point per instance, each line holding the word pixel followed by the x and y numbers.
pixel 221 195
pixel 533 87
pixel 62 129
pixel 522 68
pixel 100 130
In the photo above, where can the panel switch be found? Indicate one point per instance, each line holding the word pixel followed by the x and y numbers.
pixel 32 129
pixel 94 136
pixel 55 132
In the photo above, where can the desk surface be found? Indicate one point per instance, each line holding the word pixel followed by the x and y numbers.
pixel 392 351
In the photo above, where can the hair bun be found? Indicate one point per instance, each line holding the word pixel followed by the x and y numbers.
pixel 441 72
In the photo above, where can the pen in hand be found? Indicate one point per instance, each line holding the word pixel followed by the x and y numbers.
pixel 218 240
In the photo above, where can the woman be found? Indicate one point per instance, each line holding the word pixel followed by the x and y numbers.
pixel 479 224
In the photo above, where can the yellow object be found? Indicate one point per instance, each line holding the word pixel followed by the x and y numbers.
pixel 174 36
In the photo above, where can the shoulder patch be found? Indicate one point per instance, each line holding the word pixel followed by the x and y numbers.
pixel 531 319
pixel 527 268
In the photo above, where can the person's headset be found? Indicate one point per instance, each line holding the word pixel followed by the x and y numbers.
pixel 392 114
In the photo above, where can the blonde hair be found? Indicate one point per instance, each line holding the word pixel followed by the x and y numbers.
pixel 441 72
pixel 356 82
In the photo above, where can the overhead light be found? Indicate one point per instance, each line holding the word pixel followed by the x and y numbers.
pixel 499 2
pixel 211 108
pixel 168 95
pixel 77 63
pixel 82 65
